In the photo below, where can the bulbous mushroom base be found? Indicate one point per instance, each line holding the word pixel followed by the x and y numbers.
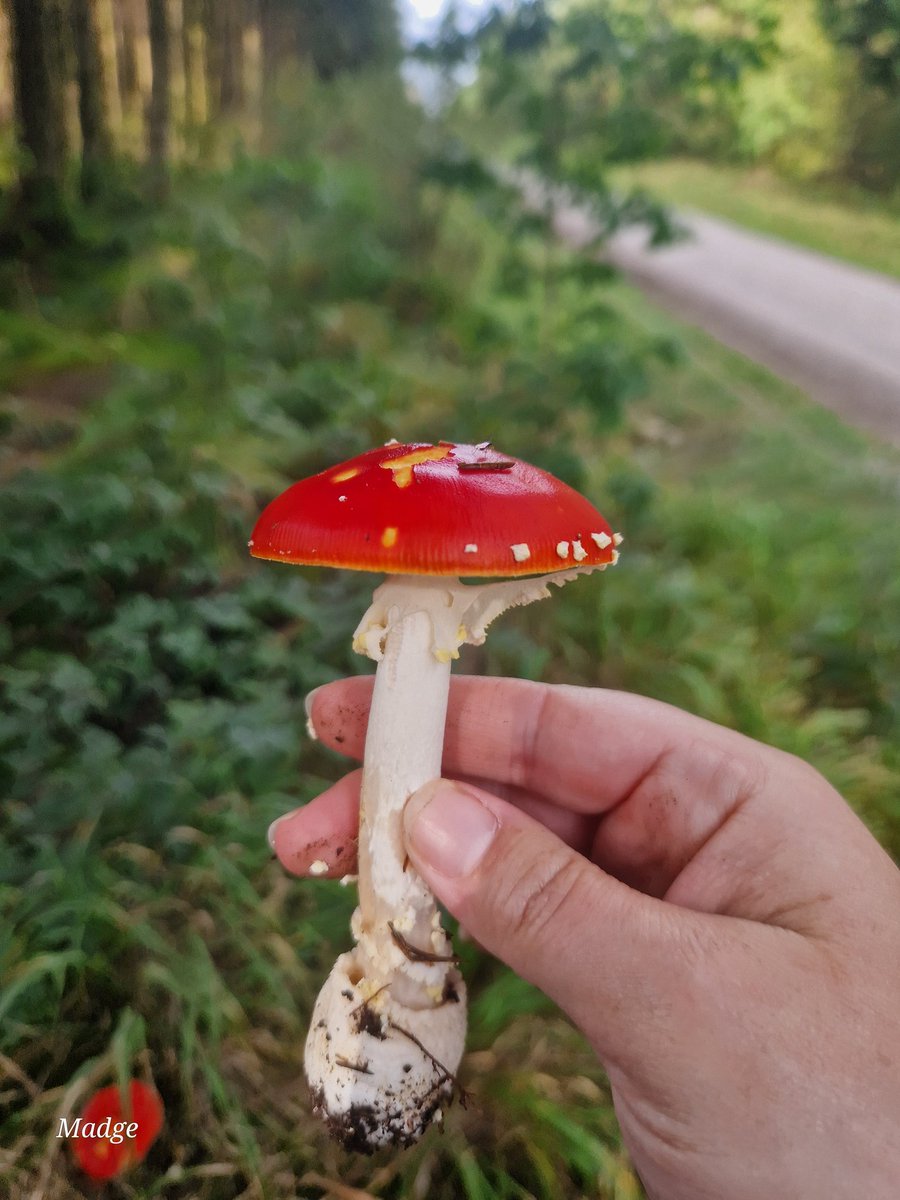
pixel 380 1073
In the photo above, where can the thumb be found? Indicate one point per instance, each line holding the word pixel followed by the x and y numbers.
pixel 607 955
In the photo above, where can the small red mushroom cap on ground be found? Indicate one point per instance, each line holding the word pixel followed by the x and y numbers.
pixel 444 509
pixel 102 1158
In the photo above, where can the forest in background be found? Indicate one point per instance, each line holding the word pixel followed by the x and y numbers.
pixel 85 84
pixel 244 287
pixel 812 88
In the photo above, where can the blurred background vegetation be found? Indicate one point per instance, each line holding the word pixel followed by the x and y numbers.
pixel 242 240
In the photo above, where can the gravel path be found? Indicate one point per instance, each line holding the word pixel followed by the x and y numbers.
pixel 830 328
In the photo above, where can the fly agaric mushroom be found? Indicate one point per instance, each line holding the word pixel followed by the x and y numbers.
pixel 388 1028
pixel 106 1140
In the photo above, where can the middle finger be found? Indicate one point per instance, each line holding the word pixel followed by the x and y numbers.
pixel 325 831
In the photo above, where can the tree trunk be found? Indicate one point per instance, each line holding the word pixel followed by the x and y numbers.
pixel 225 55
pixel 232 94
pixel 96 140
pixel 7 114
pixel 61 62
pixel 39 82
pixel 193 57
pixel 127 47
pixel 158 125
pixel 211 58
pixel 177 82
pixel 278 40
pixel 106 28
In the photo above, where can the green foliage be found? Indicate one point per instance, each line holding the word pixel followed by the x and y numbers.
pixel 810 88
pixel 870 159
pixel 630 80
pixel 792 113
pixel 827 104
pixel 872 29
pixel 345 35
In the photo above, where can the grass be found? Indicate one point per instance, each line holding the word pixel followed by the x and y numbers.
pixel 277 317
pixel 844 222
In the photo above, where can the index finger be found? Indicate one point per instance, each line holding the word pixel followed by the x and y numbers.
pixel 585 748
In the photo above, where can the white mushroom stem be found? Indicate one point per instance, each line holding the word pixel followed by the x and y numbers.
pixel 403 751
pixel 388 1028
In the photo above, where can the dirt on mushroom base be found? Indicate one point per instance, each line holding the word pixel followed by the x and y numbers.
pixel 400 1092
pixel 358 1128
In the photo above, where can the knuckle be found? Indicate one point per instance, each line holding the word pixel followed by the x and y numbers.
pixel 525 750
pixel 539 896
pixel 734 777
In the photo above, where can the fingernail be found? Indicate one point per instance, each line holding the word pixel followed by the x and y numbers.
pixel 308 706
pixel 449 828
pixel 270 833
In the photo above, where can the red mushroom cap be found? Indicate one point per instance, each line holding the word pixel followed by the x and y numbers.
pixel 101 1158
pixel 444 509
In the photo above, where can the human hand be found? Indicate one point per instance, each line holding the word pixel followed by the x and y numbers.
pixel 707 909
